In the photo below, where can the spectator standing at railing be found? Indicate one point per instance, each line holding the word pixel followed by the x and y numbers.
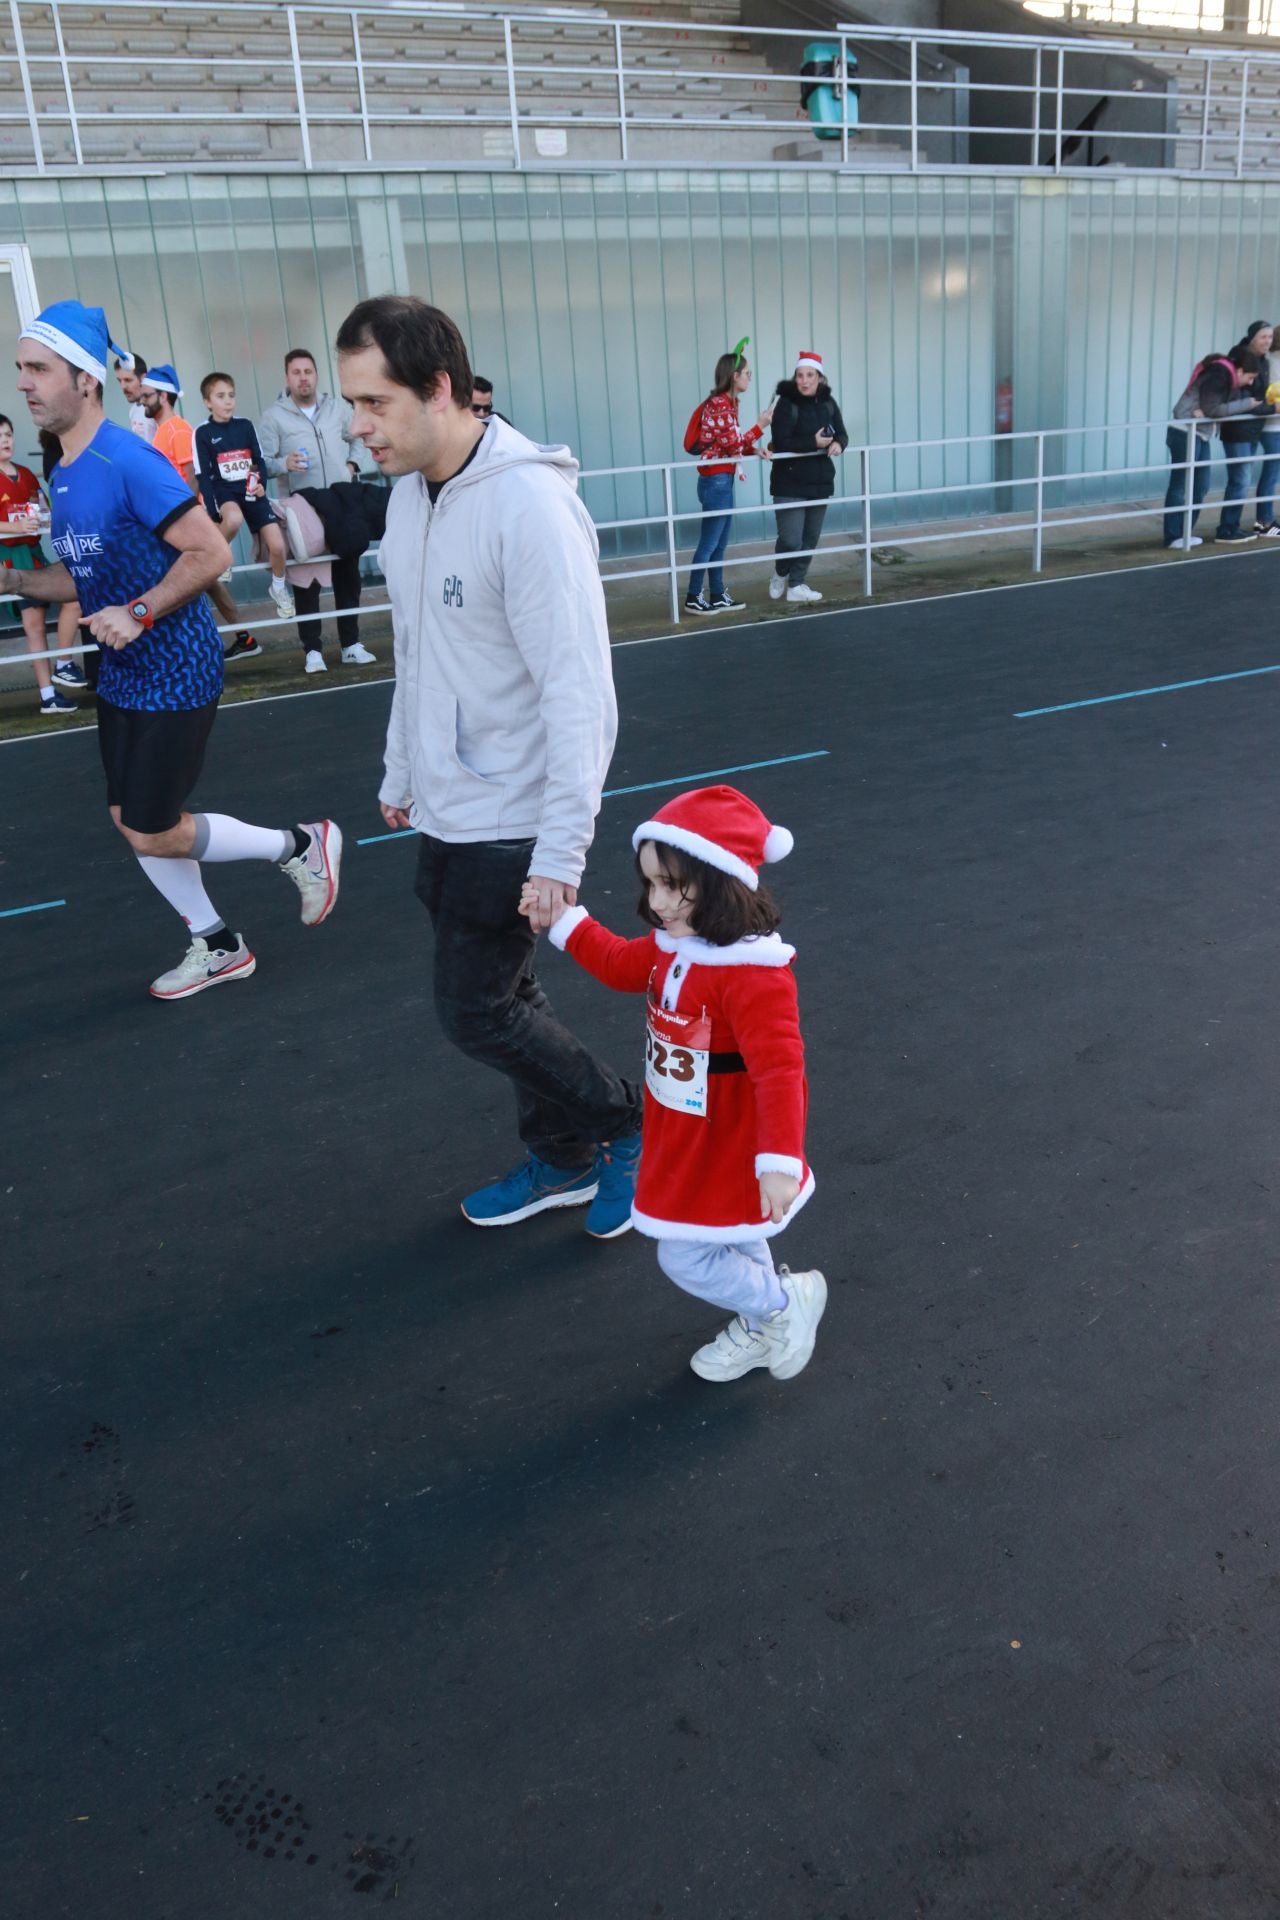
pixel 1269 472
pixel 806 421
pixel 130 368
pixel 1242 433
pixel 715 431
pixel 24 511
pixel 306 441
pixel 1213 393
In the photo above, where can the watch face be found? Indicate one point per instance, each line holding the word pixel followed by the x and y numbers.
pixel 140 610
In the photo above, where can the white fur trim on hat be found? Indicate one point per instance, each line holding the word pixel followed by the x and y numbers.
pixel 701 848
pixel 62 343
pixel 808 358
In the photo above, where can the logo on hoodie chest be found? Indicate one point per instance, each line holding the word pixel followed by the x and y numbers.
pixel 452 591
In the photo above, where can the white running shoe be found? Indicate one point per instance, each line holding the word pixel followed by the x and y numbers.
pixel 777 586
pixel 200 968
pixel 358 656
pixel 282 597
pixel 315 872
pixel 295 537
pixel 314 662
pixel 225 575
pixel 805 594
pixel 1171 546
pixel 734 1351
pixel 793 1330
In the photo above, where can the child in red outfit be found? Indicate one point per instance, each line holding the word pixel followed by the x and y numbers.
pixel 723 1167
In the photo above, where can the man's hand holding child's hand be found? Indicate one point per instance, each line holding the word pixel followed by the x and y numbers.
pixel 543 902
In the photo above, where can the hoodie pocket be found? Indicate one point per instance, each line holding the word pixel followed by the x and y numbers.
pixel 465 800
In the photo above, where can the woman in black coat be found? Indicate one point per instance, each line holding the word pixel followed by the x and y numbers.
pixel 806 420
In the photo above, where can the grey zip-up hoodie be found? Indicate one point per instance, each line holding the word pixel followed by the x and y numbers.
pixel 504 716
pixel 284 428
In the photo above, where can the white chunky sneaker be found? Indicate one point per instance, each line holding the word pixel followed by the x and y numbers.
pixel 733 1352
pixel 314 662
pixel 804 594
pixel 201 967
pixel 282 598
pixel 358 656
pixel 777 586
pixel 793 1329
pixel 315 872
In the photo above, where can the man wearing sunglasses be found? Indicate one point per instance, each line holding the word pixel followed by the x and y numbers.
pixel 482 400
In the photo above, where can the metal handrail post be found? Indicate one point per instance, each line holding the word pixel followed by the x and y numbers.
pixel 1189 507
pixel 915 105
pixel 1057 134
pixel 1244 108
pixel 1204 114
pixel 303 128
pixel 844 100
pixel 1037 544
pixel 864 470
pixel 66 82
pixel 512 106
pixel 1035 115
pixel 622 90
pixel 20 48
pixel 364 102
pixel 669 508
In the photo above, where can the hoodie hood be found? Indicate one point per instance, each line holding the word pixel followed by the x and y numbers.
pixel 500 448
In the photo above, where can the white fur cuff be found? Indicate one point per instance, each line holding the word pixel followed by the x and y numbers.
pixel 779 1163
pixel 568 923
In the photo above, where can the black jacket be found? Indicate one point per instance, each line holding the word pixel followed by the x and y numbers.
pixel 353 514
pixel 796 420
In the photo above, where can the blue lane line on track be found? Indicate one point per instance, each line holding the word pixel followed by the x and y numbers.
pixel 1144 693
pixel 41 906
pixel 650 786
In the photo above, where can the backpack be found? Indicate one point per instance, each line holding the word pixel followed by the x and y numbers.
pixel 692 433
pixel 1212 360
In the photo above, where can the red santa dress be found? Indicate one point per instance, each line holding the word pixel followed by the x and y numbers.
pixel 741 1073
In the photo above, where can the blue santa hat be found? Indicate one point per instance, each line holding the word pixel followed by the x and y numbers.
pixel 76 332
pixel 163 380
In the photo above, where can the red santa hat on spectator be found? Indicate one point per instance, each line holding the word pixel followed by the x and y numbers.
pixel 808 358
pixel 722 827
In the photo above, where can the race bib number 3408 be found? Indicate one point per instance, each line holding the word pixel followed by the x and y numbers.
pixel 677 1052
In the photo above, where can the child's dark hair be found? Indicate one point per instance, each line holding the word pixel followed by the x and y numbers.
pixel 211 380
pixel 725 909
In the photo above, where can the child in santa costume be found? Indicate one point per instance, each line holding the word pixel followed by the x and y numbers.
pixel 722 1167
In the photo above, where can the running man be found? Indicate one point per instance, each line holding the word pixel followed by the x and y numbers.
pixel 137 553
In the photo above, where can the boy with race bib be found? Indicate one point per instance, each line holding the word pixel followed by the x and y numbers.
pixel 233 481
pixel 722 1166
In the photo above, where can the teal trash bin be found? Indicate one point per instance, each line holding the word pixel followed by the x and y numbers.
pixel 828 93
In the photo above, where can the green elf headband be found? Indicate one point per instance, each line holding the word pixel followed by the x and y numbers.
pixel 738 351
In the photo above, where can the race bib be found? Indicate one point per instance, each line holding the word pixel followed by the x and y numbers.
pixel 677 1054
pixel 235 465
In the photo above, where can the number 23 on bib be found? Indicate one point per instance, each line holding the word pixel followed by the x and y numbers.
pixel 677 1055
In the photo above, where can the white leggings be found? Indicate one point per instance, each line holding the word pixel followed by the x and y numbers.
pixel 741 1279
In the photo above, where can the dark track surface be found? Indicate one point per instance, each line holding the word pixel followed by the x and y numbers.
pixel 312 1491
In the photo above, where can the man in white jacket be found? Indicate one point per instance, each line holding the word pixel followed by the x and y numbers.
pixel 502 725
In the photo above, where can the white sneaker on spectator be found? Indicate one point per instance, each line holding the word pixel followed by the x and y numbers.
pixel 806 595
pixel 314 662
pixel 225 575
pixel 777 586
pixel 1172 546
pixel 296 537
pixel 358 656
pixel 282 598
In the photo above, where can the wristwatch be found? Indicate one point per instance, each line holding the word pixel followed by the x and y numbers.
pixel 141 612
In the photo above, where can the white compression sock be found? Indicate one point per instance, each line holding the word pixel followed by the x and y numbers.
pixel 181 884
pixel 219 837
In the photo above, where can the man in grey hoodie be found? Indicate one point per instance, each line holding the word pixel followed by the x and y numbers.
pixel 502 726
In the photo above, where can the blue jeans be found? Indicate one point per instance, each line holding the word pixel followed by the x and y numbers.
pixel 1239 481
pixel 1175 499
pixel 715 492
pixel 490 1005
pixel 1267 479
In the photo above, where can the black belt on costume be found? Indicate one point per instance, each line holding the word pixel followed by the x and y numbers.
pixel 726 1063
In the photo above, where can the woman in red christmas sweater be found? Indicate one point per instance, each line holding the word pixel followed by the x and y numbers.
pixel 722 1167
pixel 720 436
pixel 22 519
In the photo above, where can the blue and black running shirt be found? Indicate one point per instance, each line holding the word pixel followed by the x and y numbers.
pixel 111 507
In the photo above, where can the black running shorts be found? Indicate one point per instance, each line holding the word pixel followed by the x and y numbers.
pixel 152 761
pixel 258 513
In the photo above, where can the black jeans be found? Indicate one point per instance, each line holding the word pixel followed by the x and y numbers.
pixel 490 1005
pixel 346 593
pixel 799 528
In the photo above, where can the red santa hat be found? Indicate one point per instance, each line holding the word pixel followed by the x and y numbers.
pixel 722 827
pixel 808 358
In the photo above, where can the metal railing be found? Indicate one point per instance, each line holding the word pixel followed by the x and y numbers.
pixel 442 88
pixel 872 509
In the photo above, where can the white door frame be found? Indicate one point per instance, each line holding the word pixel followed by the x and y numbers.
pixel 16 262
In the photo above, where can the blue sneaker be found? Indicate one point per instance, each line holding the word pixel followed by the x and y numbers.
pixel 617 1164
pixel 528 1189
